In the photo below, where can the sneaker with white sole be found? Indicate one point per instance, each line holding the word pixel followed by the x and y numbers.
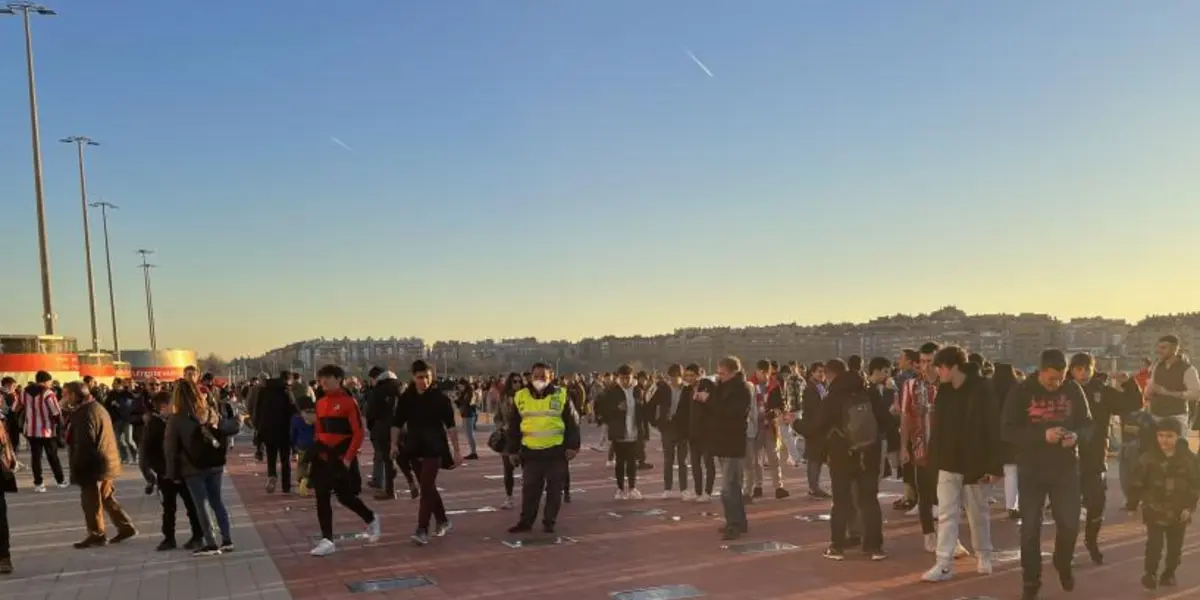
pixel 634 494
pixel 323 548
pixel 669 494
pixel 62 485
pixel 507 504
pixel 687 497
pixel 620 495
pixel 374 530
pixel 703 498
pixel 39 489
pixel 938 574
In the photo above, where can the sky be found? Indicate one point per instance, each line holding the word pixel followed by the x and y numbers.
pixel 476 169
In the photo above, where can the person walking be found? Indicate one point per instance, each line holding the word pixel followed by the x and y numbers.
pixel 542 430
pixel 43 416
pixel 273 422
pixel 194 448
pixel 95 463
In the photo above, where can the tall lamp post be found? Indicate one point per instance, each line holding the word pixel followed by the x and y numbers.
pixel 24 10
pixel 80 142
pixel 112 300
pixel 149 297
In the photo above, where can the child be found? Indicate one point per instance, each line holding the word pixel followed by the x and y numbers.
pixel 153 460
pixel 1167 484
pixel 337 437
pixel 302 442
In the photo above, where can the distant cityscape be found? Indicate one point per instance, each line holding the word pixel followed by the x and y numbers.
pixel 1017 339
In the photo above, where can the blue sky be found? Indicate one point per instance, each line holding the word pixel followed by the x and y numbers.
pixel 563 169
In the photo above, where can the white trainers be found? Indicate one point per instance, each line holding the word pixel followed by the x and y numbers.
pixel 634 494
pixel 323 548
pixel 687 497
pixel 703 499
pixel 912 512
pixel 63 485
pixel 931 543
pixel 669 494
pixel 40 489
pixel 938 574
pixel 984 566
pixel 507 504
pixel 620 495
pixel 610 463
pixel 374 530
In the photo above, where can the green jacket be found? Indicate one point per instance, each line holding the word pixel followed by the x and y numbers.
pixel 1166 485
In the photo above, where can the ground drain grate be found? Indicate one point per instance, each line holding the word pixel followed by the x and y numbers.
pixel 546 541
pixel 666 592
pixel 757 547
pixel 383 585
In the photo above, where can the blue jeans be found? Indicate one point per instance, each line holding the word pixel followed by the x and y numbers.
pixel 469 425
pixel 1127 460
pixel 206 492
pixel 732 472
pixel 125 443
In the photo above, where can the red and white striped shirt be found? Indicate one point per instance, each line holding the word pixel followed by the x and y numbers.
pixel 41 413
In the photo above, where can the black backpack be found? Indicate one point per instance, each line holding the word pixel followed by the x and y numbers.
pixel 859 425
pixel 205 448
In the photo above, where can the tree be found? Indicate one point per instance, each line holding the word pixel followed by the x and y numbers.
pixel 212 364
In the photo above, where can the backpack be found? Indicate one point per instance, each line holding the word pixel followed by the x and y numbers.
pixel 859 426
pixel 205 448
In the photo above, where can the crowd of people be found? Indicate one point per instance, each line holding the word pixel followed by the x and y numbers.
pixel 949 424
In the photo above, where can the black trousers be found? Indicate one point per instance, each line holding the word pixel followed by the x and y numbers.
pixel 675 453
pixel 172 492
pixel 325 489
pixel 1036 484
pixel 927 485
pixel 382 450
pixel 705 471
pixel 510 480
pixel 13 427
pixel 1156 537
pixel 1092 487
pixel 48 446
pixel 627 462
pixel 4 536
pixel 542 473
pixel 281 454
pixel 856 495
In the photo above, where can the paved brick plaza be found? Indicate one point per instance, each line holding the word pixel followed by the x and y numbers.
pixel 609 555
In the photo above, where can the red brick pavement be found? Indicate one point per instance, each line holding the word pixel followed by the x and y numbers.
pixel 645 551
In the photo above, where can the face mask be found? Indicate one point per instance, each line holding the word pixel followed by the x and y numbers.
pixel 540 385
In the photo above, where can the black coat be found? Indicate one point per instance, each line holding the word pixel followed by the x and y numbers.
pixel 810 419
pixel 610 406
pixel 729 409
pixel 966 429
pixel 380 408
pixel 274 412
pixel 676 427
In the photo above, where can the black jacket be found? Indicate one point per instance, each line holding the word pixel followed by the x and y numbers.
pixel 512 430
pixel 729 408
pixel 381 409
pixel 610 407
pixel 153 456
pixel 1104 401
pixel 810 423
pixel 966 429
pixel 1030 410
pixel 698 414
pixel 842 390
pixel 673 427
pixel 273 415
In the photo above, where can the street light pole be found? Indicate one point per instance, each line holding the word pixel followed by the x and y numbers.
pixel 80 141
pixel 112 301
pixel 149 297
pixel 25 9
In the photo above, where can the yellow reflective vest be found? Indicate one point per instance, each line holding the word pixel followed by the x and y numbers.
pixel 542 424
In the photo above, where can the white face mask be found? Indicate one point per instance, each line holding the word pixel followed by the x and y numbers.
pixel 540 385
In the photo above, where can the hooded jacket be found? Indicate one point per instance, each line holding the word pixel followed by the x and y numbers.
pixel 966 430
pixel 273 415
pixel 381 406
pixel 729 408
pixel 1030 410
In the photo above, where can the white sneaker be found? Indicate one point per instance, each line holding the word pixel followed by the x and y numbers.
pixel 703 499
pixel 64 485
pixel 507 504
pixel 938 574
pixel 931 543
pixel 323 548
pixel 669 494
pixel 620 495
pixel 40 489
pixel 610 463
pixel 984 566
pixel 374 530
pixel 634 494
pixel 961 551
pixel 687 497
pixel 912 512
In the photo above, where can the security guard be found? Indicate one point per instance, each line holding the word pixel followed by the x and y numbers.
pixel 543 433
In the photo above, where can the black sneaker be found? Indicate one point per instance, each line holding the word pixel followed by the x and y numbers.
pixel 166 545
pixel 194 544
pixel 207 551
pixel 781 493
pixel 123 535
pixel 644 466
pixel 1014 515
pixel 833 553
pixel 730 533
pixel 1094 552
pixel 1066 577
pixel 91 541
pixel 878 555
pixel 226 546
pixel 149 489
pixel 472 456
pixel 757 493
pixel 1150 581
pixel 820 495
pixel 520 528
pixel 1167 579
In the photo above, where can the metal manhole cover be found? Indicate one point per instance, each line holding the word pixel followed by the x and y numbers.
pixel 383 585
pixel 666 592
pixel 531 542
pixel 756 547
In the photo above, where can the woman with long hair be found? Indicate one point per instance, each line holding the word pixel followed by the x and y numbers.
pixel 195 449
pixel 500 418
